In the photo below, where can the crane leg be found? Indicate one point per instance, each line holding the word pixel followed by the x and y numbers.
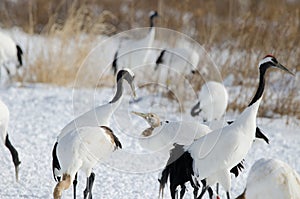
pixel 15 156
pixel 228 195
pixel 74 186
pixel 182 192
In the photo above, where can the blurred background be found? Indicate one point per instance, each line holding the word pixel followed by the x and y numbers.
pixel 236 33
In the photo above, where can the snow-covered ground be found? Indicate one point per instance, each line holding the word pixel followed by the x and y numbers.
pixel 38 112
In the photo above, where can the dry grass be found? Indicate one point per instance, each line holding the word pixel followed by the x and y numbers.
pixel 246 29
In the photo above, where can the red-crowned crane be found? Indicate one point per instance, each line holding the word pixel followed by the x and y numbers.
pixel 4 119
pixel 98 116
pixel 217 152
pixel 129 47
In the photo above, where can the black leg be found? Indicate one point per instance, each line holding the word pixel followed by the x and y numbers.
pixel 91 182
pixel 15 156
pixel 228 195
pixel 210 192
pixel 195 187
pixel 202 192
pixel 86 191
pixel 74 186
pixel 182 192
pixel 173 191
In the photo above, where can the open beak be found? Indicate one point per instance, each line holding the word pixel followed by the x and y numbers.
pixel 284 69
pixel 143 115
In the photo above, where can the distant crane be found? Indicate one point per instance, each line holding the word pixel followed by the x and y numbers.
pixel 9 52
pixel 4 119
pixel 83 148
pixel 271 179
pixel 93 118
pixel 128 48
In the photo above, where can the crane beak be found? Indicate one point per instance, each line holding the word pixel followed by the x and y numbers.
pixel 143 115
pixel 133 90
pixel 284 69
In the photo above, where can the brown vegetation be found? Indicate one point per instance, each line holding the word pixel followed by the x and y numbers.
pixel 248 29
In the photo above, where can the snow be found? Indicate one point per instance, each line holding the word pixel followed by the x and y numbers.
pixel 38 112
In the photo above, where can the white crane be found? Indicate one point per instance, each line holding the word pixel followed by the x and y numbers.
pixel 83 148
pixel 213 101
pixel 217 152
pixel 271 179
pixel 4 119
pixel 95 117
pixel 9 52
pixel 133 52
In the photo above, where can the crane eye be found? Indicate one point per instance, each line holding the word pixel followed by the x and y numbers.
pixel 274 60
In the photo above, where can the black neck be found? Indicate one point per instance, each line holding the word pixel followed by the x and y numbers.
pixel 261 85
pixel 151 21
pixel 119 91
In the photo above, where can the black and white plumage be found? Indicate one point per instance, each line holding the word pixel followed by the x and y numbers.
pixel 4 119
pixel 133 52
pixel 82 149
pixel 271 179
pixel 216 153
pixel 99 116
pixel 9 52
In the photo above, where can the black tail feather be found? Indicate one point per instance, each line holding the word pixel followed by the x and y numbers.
pixel 19 55
pixel 179 169
pixel 55 162
pixel 238 168
pixel 159 60
pixel 259 134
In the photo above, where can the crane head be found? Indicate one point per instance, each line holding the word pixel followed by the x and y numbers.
pixel 151 118
pixel 270 61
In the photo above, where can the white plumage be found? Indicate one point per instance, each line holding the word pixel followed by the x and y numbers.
pixel 272 179
pixel 10 52
pixel 82 149
pixel 213 101
pixel 163 135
